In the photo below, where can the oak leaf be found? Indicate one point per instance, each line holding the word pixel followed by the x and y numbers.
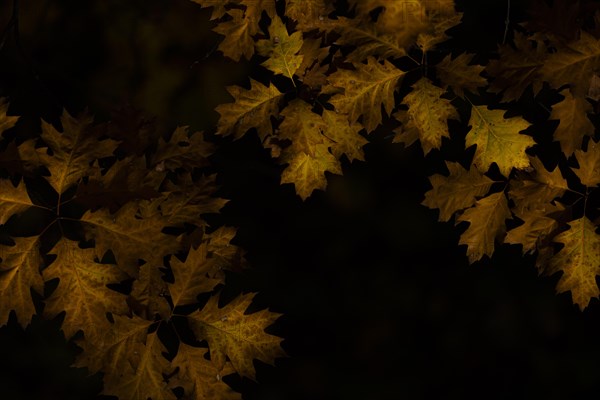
pixel 498 140
pixel 579 261
pixel 73 150
pixel 457 191
pixel 82 292
pixel 252 109
pixel 459 75
pixel 19 274
pixel 486 224
pixel 367 88
pixel 574 124
pixel 426 118
pixel 232 334
pixel 589 164
pixel 281 49
pixel 199 377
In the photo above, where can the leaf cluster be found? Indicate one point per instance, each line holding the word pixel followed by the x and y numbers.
pixel 337 73
pixel 104 226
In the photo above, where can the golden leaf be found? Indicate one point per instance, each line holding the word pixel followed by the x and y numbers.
pixel 498 140
pixel 252 109
pixel 426 118
pixel 574 124
pixel 82 290
pixel 459 75
pixel 281 49
pixel 199 377
pixel 19 273
pixel 366 89
pixel 486 224
pixel 456 191
pixel 231 333
pixel 589 164
pixel 579 261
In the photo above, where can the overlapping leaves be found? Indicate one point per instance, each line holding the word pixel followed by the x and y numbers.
pixel 114 219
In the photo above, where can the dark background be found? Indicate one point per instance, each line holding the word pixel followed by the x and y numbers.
pixel 379 302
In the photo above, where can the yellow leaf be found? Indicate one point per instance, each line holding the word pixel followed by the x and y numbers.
pixel 366 89
pixel 233 334
pixel 281 49
pixel 498 140
pixel 217 5
pixel 73 150
pixel 13 200
pixel 306 171
pixel 486 224
pixel 344 135
pixel 252 109
pixel 457 191
pixel 589 164
pixel 303 127
pixel 459 75
pixel 426 118
pixel 82 290
pixel 19 273
pixel 199 377
pixel 579 261
pixel 574 125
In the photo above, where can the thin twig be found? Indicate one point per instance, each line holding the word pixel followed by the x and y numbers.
pixel 506 21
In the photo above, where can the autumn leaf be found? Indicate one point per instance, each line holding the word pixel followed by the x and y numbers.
pixel 133 362
pixel 459 75
pixel 366 88
pixel 199 377
pixel 306 172
pixel 252 109
pixel 579 261
pixel 232 334
pixel 194 276
pixel 368 40
pixel 6 121
pixel 82 292
pixel 426 118
pixel 13 200
pixel 128 237
pixel 19 274
pixel 589 164
pixel 574 124
pixel 73 150
pixel 535 228
pixel 574 64
pixel 486 224
pixel 182 151
pixel 147 297
pixel 498 140
pixel 237 32
pixel 535 191
pixel 457 191
pixel 519 68
pixel 281 49
pixel 344 135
